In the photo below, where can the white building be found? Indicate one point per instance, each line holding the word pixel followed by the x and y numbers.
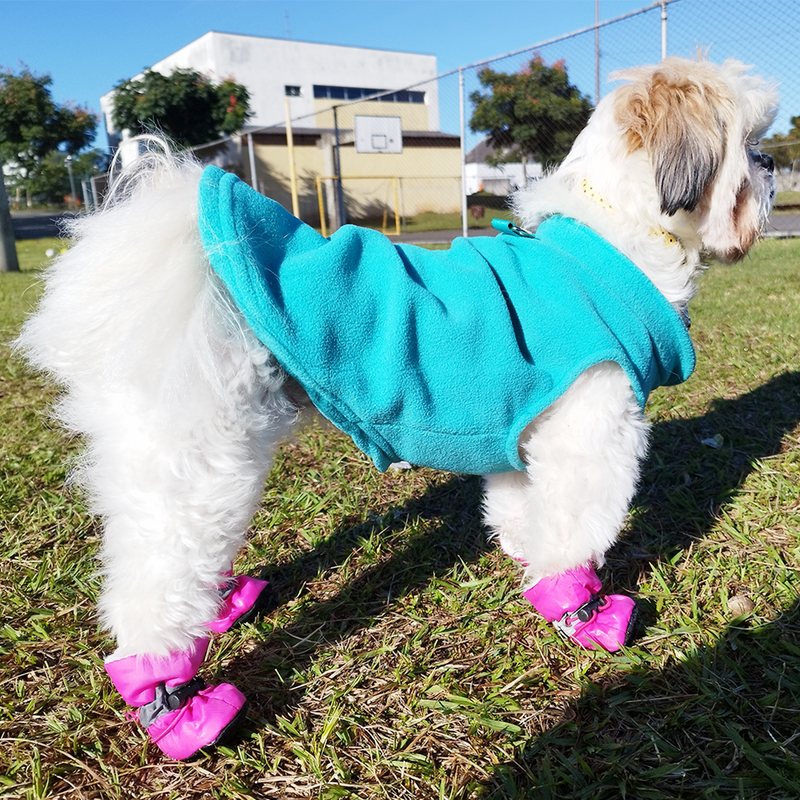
pixel 326 87
pixel 503 179
pixel 314 76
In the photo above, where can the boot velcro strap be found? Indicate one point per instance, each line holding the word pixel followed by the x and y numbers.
pixel 169 699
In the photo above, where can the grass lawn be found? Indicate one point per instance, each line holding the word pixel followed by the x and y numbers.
pixel 401 661
pixel 786 198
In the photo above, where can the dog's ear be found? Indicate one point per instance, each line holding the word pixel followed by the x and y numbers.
pixel 677 122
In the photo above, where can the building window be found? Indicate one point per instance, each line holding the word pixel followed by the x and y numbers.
pixel 292 91
pixel 356 93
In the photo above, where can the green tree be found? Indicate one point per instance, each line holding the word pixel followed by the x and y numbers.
pixel 33 126
pixel 184 105
pixel 784 148
pixel 51 184
pixel 535 113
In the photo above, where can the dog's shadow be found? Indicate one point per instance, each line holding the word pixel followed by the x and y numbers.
pixel 684 485
pixel 696 467
pixel 723 717
pixel 437 530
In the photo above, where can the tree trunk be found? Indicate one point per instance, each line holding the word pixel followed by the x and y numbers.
pixel 8 251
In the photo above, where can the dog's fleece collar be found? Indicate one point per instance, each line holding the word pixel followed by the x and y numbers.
pixel 439 358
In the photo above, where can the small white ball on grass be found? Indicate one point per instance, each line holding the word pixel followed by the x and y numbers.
pixel 739 605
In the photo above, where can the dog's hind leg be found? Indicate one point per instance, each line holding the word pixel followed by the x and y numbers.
pixel 177 477
pixel 181 410
pixel 560 516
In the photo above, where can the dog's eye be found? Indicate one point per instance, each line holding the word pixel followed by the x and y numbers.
pixel 752 142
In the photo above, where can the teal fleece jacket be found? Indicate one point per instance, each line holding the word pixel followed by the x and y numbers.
pixel 439 358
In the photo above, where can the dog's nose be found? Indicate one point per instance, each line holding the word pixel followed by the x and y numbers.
pixel 764 160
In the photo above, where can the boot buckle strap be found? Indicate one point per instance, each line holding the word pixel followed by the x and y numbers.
pixel 169 699
pixel 569 624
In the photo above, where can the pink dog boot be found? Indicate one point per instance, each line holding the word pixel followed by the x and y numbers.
pixel 243 598
pixel 572 602
pixel 179 712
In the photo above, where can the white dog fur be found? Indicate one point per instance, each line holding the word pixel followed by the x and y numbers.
pixel 182 408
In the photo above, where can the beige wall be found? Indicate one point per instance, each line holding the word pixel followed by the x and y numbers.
pixel 272 172
pixel 413 116
pixel 427 179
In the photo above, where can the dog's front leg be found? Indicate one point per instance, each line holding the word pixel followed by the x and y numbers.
pixel 559 517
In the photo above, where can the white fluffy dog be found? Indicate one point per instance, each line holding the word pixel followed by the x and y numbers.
pixel 182 404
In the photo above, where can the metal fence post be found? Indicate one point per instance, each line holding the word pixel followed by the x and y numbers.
pixel 253 181
pixel 87 203
pixel 596 52
pixel 464 223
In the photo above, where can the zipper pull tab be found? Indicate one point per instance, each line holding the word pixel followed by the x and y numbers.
pixel 504 226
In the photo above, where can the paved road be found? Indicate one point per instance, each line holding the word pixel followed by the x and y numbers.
pixel 778 226
pixel 38 224
pixel 784 225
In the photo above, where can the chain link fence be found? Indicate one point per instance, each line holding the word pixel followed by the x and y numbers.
pixel 410 160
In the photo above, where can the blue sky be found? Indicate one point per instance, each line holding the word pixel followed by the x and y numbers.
pixel 89 45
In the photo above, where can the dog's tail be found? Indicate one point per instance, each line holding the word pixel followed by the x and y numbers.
pixel 126 269
pixel 133 306
pixel 133 302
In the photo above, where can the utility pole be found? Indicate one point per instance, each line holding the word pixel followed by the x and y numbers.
pixel 341 217
pixel 8 251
